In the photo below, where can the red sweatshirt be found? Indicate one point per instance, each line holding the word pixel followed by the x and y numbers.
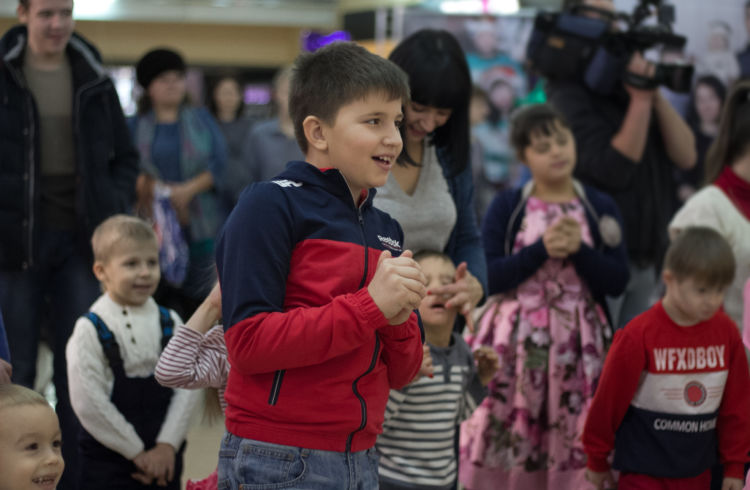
pixel 669 396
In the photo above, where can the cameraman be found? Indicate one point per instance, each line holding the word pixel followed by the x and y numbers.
pixel 627 144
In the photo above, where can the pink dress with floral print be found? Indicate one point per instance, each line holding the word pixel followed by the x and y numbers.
pixel 551 338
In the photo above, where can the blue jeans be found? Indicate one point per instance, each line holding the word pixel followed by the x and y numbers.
pixel 55 291
pixel 245 464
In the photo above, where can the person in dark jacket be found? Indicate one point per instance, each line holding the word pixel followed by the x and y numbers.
pixel 629 142
pixel 67 163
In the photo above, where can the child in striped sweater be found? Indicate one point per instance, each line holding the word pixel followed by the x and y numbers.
pixel 196 357
pixel 417 448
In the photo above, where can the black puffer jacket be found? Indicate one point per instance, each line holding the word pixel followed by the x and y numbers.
pixel 107 163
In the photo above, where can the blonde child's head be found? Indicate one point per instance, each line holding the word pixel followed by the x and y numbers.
pixel 439 270
pixel 698 268
pixel 544 143
pixel 126 259
pixel 30 440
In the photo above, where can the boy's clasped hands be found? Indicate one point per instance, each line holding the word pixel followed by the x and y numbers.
pixel 398 286
pixel 563 238
pixel 155 464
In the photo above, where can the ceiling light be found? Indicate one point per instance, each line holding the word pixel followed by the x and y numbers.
pixel 477 7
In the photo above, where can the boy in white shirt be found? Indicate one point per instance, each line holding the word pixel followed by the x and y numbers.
pixel 133 428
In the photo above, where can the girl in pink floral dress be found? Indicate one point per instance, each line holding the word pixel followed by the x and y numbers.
pixel 554 250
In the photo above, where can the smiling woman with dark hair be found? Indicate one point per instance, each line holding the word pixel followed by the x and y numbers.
pixel 430 192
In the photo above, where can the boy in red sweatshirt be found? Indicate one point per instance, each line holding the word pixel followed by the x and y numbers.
pixel 675 390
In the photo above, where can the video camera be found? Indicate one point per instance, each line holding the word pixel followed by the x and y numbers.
pixel 580 44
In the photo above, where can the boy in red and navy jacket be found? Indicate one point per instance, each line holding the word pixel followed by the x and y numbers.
pixel 675 390
pixel 317 295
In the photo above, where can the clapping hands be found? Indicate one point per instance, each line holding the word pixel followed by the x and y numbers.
pixel 563 238
pixel 398 286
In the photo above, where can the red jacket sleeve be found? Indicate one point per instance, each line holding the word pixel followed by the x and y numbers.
pixel 624 364
pixel 733 425
pixel 402 351
pixel 302 337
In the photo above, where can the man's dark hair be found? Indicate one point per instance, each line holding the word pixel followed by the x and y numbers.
pixel 537 119
pixel 24 3
pixel 335 75
pixel 703 255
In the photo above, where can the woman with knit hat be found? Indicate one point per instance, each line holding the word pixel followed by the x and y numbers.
pixel 183 155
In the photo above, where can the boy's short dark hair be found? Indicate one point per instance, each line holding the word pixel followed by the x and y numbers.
pixel 335 75
pixel 24 3
pixel 703 255
pixel 536 119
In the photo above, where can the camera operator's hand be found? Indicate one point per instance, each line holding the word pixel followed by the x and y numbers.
pixel 641 67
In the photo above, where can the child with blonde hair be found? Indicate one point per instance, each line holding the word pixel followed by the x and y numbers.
pixel 30 440
pixel 133 428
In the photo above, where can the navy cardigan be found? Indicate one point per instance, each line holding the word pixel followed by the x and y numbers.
pixel 604 268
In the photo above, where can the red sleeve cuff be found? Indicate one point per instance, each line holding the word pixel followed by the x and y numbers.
pixel 597 464
pixel 369 310
pixel 734 470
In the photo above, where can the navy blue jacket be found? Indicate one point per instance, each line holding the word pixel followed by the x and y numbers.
pixel 604 268
pixel 107 163
pixel 465 241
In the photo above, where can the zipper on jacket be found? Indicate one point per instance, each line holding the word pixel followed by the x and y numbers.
pixel 362 403
pixel 276 386
pixel 364 242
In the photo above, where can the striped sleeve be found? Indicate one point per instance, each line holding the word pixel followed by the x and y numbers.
pixel 194 360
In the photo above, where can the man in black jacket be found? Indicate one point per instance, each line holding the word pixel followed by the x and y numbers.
pixel 66 164
pixel 628 144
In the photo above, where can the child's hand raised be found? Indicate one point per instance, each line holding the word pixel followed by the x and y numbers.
pixel 214 297
pixel 487 363
pixel 208 313
pixel 427 369
pixel 398 286
pixel 465 293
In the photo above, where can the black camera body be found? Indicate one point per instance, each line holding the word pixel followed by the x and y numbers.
pixel 570 45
